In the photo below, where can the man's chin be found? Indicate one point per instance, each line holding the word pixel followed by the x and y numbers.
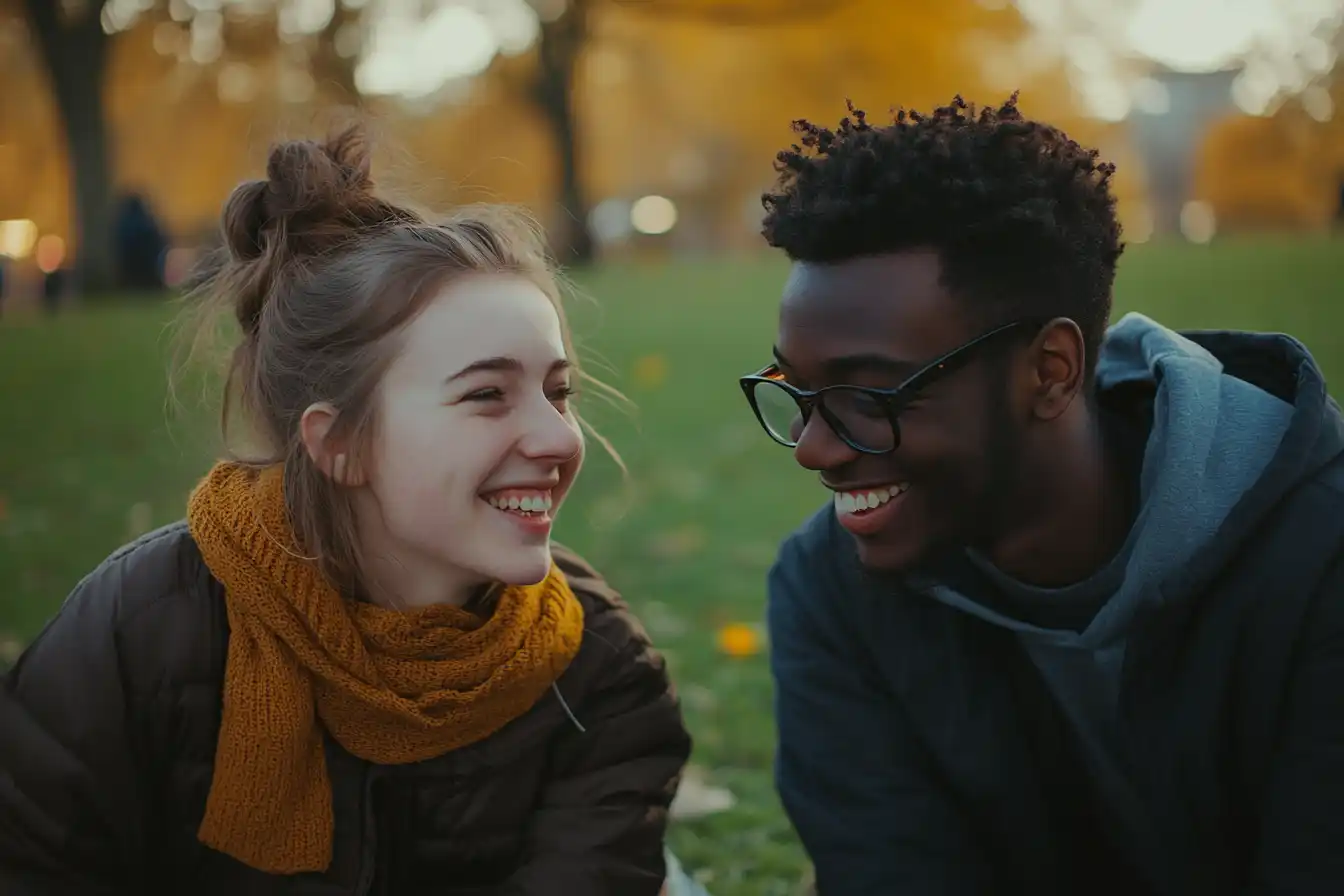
pixel 888 556
pixel 906 555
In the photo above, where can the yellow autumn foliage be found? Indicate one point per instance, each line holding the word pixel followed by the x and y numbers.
pixel 676 104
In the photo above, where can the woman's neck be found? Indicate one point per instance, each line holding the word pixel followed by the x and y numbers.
pixel 393 582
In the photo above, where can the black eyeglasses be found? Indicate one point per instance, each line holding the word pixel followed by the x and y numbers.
pixel 864 418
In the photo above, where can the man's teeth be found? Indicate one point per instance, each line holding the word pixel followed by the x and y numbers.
pixel 536 502
pixel 853 502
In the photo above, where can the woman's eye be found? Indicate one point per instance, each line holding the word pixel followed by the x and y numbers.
pixel 494 394
pixel 564 393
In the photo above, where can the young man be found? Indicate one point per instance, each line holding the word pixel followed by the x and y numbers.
pixel 1073 621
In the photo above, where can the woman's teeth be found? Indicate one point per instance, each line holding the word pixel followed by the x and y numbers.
pixel 857 502
pixel 521 502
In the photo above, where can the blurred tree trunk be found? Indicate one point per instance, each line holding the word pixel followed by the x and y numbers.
pixel 334 70
pixel 74 49
pixel 558 51
pixel 564 33
pixel 737 13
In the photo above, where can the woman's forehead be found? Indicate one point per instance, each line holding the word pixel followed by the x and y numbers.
pixel 494 315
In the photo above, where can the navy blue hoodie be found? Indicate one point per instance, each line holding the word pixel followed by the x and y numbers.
pixel 953 736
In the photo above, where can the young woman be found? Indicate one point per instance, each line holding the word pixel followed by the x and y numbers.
pixel 359 666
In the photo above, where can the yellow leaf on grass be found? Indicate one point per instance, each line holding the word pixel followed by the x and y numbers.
pixel 139 519
pixel 10 649
pixel 678 543
pixel 650 371
pixel 739 640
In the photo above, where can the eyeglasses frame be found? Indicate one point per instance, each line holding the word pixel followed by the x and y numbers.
pixel 893 401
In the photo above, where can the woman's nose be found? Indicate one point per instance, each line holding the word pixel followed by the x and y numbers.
pixel 551 434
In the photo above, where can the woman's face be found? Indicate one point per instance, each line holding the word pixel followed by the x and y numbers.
pixel 476 445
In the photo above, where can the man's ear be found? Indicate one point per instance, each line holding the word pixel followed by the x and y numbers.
pixel 1059 372
pixel 331 457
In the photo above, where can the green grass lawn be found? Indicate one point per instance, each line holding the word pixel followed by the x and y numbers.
pixel 89 456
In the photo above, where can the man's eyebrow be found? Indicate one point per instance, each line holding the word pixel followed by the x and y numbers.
pixel 501 363
pixel 870 362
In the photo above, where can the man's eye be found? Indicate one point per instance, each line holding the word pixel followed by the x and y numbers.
pixel 852 402
pixel 871 407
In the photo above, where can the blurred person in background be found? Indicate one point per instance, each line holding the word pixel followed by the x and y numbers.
pixel 1072 620
pixel 140 245
pixel 359 665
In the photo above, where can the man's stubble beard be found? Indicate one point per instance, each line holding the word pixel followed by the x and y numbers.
pixel 982 514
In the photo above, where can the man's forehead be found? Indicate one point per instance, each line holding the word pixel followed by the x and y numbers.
pixel 892 303
pixel 911 271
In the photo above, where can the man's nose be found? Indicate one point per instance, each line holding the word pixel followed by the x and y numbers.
pixel 819 448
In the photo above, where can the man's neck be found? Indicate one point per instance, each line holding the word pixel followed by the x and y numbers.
pixel 1085 495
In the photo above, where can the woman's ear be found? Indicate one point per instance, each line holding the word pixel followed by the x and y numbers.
pixel 327 454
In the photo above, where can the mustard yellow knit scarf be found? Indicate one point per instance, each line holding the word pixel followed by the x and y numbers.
pixel 390 687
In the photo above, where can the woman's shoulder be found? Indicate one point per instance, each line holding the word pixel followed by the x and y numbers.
pixel 146 576
pixel 617 694
pixel 616 649
pixel 153 602
pixel 605 610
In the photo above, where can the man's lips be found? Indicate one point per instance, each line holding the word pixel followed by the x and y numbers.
pixel 868 509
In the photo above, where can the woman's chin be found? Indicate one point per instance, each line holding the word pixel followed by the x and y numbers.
pixel 529 567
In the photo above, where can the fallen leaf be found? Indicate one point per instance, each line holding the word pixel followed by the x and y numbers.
pixel 661 622
pixel 739 640
pixel 709 737
pixel 650 371
pixel 678 543
pixel 679 883
pixel 755 554
pixel 741 438
pixel 684 483
pixel 697 798
pixel 27 520
pixel 139 519
pixel 611 508
pixel 10 649
pixel 697 697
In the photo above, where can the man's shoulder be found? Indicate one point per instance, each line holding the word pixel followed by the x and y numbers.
pixel 1309 514
pixel 811 547
pixel 1329 481
pixel 815 563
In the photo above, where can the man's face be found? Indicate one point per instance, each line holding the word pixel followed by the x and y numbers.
pixel 874 321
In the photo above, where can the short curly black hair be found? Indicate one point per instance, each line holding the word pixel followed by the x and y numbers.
pixel 1022 217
